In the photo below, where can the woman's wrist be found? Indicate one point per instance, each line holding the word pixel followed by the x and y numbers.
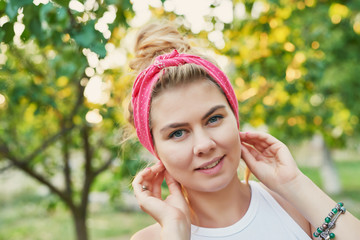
pixel 308 198
pixel 292 187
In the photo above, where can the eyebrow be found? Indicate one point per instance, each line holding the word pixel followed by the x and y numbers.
pixel 176 125
pixel 212 110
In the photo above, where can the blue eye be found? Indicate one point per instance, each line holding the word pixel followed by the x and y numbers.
pixel 177 134
pixel 215 119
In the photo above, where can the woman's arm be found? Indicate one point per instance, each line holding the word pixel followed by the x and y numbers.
pixel 172 214
pixel 272 163
pixel 156 232
pixel 315 205
pixel 151 232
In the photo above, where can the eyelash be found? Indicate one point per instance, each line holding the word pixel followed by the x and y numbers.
pixel 172 135
pixel 216 117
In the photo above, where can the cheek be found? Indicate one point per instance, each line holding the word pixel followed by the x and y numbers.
pixel 228 135
pixel 175 156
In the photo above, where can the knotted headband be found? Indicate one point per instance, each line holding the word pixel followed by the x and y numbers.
pixel 146 80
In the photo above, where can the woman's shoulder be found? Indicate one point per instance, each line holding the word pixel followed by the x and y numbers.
pixel 151 232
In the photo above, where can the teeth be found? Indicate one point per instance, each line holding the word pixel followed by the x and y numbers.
pixel 212 165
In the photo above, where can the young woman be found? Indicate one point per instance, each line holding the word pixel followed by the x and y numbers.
pixel 186 114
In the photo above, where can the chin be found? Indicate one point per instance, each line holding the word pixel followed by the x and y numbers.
pixel 212 186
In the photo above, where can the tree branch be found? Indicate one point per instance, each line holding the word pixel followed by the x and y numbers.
pixel 3 149
pixel 28 65
pixel 79 101
pixel 64 130
pixel 47 143
pixel 89 176
pixel 72 20
pixel 25 167
pixel 104 166
pixel 67 169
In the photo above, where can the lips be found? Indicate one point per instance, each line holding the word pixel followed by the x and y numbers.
pixel 211 164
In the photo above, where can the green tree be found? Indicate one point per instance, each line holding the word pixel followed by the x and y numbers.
pixel 295 69
pixel 47 62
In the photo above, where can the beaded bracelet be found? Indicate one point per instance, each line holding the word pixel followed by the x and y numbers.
pixel 324 230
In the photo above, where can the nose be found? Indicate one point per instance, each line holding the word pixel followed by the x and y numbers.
pixel 203 143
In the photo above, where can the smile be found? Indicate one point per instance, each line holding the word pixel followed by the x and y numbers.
pixel 211 165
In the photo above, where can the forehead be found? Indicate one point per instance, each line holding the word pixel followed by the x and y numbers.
pixel 181 102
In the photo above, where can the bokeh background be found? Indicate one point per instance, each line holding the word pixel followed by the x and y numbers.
pixel 67 153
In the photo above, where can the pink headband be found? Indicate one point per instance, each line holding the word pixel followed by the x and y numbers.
pixel 142 90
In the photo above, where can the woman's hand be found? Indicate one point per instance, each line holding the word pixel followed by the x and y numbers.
pixel 172 213
pixel 268 159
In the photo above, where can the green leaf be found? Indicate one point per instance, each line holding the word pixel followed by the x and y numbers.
pixel 11 10
pixel 45 11
pixel 9 32
pixel 61 14
pixel 2 34
pixel 35 27
pixel 13 6
pixel 64 3
pixel 99 48
pixel 86 35
pixel 25 35
pixel 2 5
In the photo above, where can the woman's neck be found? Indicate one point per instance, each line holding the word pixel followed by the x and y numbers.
pixel 222 208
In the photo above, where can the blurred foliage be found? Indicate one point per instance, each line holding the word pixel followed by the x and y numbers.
pixel 43 79
pixel 47 128
pixel 294 66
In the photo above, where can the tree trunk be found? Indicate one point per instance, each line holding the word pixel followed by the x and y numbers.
pixel 80 224
pixel 328 172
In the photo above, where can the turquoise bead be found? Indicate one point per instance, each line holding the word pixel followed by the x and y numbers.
pixel 327 219
pixel 319 230
pixel 334 210
pixel 341 204
pixel 332 235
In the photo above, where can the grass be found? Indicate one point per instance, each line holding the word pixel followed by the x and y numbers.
pixel 25 216
pixel 349 172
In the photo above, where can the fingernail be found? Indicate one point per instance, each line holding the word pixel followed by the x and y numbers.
pixel 147 169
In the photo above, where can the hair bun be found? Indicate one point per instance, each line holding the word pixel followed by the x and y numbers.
pixel 154 40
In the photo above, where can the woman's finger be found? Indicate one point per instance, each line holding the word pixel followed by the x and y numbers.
pixel 158 167
pixel 174 186
pixel 158 170
pixel 148 174
pixel 159 178
pixel 246 155
pixel 140 178
pixel 259 137
pixel 250 156
pixel 260 145
pixel 143 181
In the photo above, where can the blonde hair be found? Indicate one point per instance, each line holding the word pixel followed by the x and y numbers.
pixel 154 40
pixel 157 39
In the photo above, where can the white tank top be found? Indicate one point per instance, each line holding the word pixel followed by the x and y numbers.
pixel 265 219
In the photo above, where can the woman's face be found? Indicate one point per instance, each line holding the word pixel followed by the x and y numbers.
pixel 196 135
